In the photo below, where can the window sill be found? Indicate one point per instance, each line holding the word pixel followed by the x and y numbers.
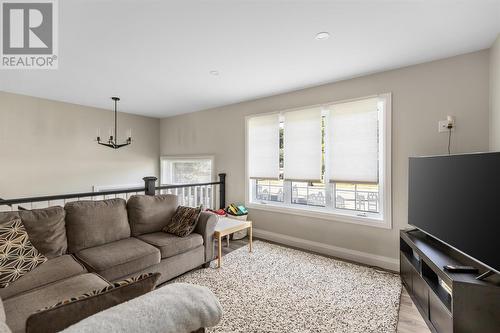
pixel 318 213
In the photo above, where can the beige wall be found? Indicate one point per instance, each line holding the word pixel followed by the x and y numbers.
pixel 422 95
pixel 47 147
pixel 495 95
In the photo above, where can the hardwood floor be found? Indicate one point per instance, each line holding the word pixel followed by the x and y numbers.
pixel 410 320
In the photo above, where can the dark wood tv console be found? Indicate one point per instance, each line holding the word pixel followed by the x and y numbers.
pixel 469 305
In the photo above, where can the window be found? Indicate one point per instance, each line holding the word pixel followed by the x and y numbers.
pixel 269 190
pixel 330 161
pixel 309 194
pixel 180 170
pixel 186 170
pixel 357 197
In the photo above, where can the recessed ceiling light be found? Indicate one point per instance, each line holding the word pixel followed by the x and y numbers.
pixel 214 73
pixel 322 35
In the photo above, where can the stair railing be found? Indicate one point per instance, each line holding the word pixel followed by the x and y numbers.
pixel 189 195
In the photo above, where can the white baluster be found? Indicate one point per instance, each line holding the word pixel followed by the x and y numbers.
pixel 205 196
pixel 195 189
pixel 210 198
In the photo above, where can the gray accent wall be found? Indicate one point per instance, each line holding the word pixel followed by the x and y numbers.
pixel 48 147
pixel 495 95
pixel 421 96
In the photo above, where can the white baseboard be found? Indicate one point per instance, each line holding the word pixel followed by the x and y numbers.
pixel 330 250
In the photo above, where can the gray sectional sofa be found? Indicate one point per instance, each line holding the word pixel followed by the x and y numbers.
pixel 92 243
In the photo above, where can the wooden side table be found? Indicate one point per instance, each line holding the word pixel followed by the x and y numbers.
pixel 226 226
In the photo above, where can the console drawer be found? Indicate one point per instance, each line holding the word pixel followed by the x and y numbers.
pixel 406 271
pixel 439 315
pixel 421 292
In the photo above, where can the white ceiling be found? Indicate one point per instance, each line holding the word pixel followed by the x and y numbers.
pixel 157 55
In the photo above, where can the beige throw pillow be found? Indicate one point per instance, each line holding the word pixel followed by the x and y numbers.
pixel 17 255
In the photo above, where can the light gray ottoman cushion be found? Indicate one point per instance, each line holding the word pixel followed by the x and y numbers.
pixel 175 308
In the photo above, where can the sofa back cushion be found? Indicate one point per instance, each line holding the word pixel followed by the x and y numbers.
pixel 149 214
pixel 94 223
pixel 46 229
pixel 8 216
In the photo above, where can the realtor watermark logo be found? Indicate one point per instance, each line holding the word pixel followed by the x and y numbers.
pixel 29 34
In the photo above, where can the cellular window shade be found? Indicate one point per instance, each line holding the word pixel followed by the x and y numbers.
pixel 353 132
pixel 302 143
pixel 263 147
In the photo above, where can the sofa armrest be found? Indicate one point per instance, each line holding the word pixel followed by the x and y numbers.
pixel 206 227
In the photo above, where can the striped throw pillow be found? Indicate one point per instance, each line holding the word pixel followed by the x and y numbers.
pixel 100 291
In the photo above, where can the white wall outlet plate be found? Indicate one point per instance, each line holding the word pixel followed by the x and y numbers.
pixel 443 126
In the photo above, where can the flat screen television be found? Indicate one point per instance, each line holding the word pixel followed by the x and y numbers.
pixel 456 199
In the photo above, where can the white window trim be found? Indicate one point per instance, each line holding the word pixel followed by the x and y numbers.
pixel 187 157
pixel 385 186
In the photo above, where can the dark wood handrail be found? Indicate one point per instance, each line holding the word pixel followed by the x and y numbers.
pixel 149 189
pixel 68 196
pixel 4 200
pixel 166 187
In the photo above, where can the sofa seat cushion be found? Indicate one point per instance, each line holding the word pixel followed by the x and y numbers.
pixel 94 223
pixel 121 258
pixel 19 308
pixel 171 245
pixel 50 271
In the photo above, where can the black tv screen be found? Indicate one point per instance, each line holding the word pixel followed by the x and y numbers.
pixel 456 199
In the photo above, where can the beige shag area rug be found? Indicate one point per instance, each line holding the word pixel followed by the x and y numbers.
pixel 278 289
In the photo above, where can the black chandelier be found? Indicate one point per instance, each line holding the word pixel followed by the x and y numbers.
pixel 113 140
